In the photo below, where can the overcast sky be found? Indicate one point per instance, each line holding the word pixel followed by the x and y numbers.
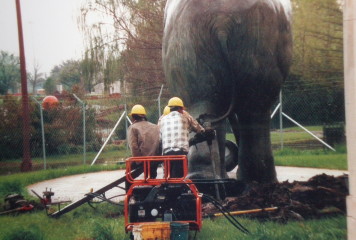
pixel 50 30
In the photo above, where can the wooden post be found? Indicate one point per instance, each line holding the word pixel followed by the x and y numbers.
pixel 26 159
pixel 350 105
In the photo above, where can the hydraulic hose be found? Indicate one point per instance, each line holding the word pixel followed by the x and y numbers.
pixel 226 214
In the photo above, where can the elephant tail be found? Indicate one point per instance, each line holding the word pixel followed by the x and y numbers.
pixel 222 35
pixel 228 112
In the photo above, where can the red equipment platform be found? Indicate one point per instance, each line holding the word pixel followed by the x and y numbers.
pixel 151 200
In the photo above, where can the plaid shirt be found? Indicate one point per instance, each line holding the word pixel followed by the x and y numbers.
pixel 174 131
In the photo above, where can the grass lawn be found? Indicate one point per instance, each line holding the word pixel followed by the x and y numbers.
pixel 334 161
pixel 315 158
pixel 318 158
pixel 290 135
pixel 89 223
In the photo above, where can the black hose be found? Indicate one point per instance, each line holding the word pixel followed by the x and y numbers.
pixel 226 211
pixel 195 235
pixel 210 181
pixel 227 215
pixel 103 198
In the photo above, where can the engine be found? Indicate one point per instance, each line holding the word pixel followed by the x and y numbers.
pixel 166 202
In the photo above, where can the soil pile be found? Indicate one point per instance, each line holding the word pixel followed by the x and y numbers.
pixel 319 196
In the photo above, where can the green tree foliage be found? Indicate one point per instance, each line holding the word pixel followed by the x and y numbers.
pixel 65 134
pixel 89 70
pixel 49 85
pixel 63 129
pixel 313 93
pixel 9 72
pixel 318 41
pixel 11 127
pixel 68 74
pixel 113 71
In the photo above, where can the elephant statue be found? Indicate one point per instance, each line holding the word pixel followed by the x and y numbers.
pixel 227 60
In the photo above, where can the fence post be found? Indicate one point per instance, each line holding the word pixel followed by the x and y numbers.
pixel 84 134
pixel 107 140
pixel 281 118
pixel 159 101
pixel 126 118
pixel 43 135
pixel 306 130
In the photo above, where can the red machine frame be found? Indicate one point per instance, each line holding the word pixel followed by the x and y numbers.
pixel 147 180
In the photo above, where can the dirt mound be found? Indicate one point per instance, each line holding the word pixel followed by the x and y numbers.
pixel 319 196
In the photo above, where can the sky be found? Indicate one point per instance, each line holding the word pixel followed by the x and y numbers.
pixel 50 30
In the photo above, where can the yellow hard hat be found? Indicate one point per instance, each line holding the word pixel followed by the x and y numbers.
pixel 166 110
pixel 175 102
pixel 138 109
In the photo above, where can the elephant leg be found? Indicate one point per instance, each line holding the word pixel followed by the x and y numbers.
pixel 256 161
pixel 220 159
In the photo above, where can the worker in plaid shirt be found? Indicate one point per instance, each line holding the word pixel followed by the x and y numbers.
pixel 174 133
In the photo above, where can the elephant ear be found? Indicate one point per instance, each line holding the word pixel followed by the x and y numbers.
pixel 231 155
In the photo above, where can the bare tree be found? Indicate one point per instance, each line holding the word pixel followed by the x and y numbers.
pixel 127 40
pixel 35 78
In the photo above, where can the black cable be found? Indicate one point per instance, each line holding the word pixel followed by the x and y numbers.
pixel 232 220
pixel 229 219
pixel 227 215
pixel 226 211
pixel 209 181
pixel 105 199
pixel 195 235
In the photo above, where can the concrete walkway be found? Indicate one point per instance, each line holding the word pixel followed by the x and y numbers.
pixel 75 187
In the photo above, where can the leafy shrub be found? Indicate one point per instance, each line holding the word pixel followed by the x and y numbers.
pixel 11 128
pixel 63 128
pixel 8 187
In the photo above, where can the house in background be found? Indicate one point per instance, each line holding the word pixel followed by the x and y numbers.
pixel 114 88
pixel 59 88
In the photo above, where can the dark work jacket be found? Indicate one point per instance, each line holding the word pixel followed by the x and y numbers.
pixel 143 139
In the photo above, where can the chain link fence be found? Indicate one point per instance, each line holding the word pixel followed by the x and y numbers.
pixel 69 133
pixel 74 131
pixel 309 116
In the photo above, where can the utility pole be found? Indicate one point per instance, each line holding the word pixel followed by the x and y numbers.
pixel 350 105
pixel 26 159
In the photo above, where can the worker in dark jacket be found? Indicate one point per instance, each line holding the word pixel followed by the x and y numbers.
pixel 143 137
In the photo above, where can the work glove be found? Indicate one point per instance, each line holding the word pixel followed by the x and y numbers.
pixel 208 135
